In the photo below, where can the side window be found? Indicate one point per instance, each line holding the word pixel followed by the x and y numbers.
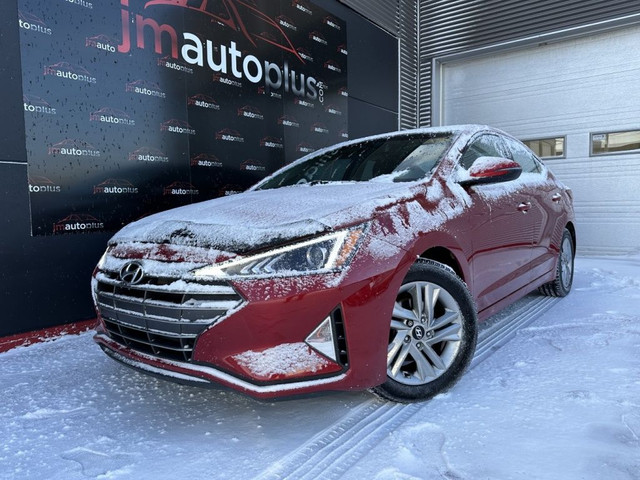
pixel 483 146
pixel 522 155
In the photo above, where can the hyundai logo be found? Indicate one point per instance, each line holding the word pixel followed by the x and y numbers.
pixel 131 273
pixel 418 332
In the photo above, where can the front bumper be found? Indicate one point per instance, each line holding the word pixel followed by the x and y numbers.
pixel 203 375
pixel 260 346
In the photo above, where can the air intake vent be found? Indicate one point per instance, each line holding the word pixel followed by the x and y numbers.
pixel 341 338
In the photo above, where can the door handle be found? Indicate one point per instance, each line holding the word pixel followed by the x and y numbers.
pixel 556 197
pixel 524 207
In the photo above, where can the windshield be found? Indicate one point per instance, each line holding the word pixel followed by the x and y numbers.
pixel 411 157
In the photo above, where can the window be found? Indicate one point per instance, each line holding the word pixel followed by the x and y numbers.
pixel 547 147
pixel 520 154
pixel 615 142
pixel 483 146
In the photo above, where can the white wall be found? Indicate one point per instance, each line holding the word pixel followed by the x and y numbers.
pixel 571 88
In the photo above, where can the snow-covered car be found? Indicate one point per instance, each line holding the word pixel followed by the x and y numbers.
pixel 366 265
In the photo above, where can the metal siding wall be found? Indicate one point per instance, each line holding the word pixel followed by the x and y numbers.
pixel 409 63
pixel 453 26
pixel 400 18
pixel 381 12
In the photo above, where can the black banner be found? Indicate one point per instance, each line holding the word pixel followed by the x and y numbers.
pixel 136 106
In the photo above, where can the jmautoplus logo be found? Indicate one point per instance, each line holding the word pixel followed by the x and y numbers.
pixel 232 14
pixel 342 49
pixel 305 148
pixel 318 37
pixel 35 104
pixel 203 101
pixel 303 6
pixel 226 60
pixel 344 134
pixel 206 160
pixel 332 22
pixel 177 126
pixel 250 112
pixel 319 128
pixel 69 71
pixel 343 92
pixel 333 110
pixel 102 42
pixel 178 65
pixel 263 91
pixel 180 188
pixel 230 189
pixel 333 66
pixel 115 186
pixel 286 22
pixel 30 22
pixel 304 103
pixel 226 80
pixel 288 121
pixel 39 184
pixel 111 115
pixel 148 154
pixel 145 87
pixel 229 135
pixel 306 54
pixel 253 166
pixel 75 148
pixel 81 3
pixel 77 222
pixel 271 142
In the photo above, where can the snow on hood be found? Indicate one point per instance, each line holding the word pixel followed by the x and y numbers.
pixel 263 218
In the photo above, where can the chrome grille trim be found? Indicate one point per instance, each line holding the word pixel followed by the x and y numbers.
pixel 158 319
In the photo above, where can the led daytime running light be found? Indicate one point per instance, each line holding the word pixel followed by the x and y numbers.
pixel 292 259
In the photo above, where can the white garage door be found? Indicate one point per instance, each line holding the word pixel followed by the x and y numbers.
pixel 572 89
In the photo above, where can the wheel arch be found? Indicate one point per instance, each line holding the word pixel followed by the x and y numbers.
pixel 572 230
pixel 446 257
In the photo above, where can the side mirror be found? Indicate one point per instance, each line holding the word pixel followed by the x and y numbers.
pixel 486 170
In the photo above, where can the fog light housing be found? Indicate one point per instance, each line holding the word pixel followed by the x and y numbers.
pixel 322 339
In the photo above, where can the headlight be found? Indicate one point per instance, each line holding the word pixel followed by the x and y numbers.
pixel 103 259
pixel 328 253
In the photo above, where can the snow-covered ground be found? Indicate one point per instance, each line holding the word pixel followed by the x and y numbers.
pixel 559 400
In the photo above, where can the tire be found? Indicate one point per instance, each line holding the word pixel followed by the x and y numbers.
pixel 561 285
pixel 429 348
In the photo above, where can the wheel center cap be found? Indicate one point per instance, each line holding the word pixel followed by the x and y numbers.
pixel 419 332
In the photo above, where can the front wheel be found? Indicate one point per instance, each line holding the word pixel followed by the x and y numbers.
pixel 433 333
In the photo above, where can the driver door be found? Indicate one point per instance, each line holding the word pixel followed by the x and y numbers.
pixel 500 234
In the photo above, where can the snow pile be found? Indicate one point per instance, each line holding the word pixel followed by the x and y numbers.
pixel 561 400
pixel 265 217
pixel 287 359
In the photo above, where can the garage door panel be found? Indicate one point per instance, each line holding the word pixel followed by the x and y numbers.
pixel 572 88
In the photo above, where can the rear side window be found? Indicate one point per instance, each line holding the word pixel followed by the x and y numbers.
pixel 522 155
pixel 483 146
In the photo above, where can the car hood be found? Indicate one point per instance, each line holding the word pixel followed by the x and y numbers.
pixel 263 218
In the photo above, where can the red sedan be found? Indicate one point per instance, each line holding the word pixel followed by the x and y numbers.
pixel 364 265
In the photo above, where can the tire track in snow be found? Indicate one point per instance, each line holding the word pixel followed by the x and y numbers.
pixel 498 333
pixel 330 453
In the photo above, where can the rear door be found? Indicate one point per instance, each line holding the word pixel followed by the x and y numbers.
pixel 544 196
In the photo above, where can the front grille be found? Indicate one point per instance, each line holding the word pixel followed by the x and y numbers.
pixel 163 322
